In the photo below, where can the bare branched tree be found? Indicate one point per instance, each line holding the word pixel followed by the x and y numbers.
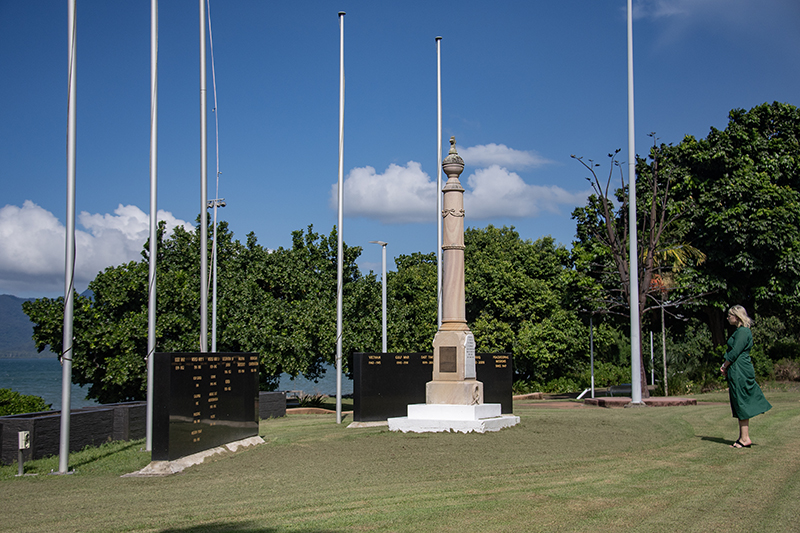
pixel 606 222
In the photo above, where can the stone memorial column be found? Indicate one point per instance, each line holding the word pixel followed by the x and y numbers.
pixel 454 397
pixel 454 345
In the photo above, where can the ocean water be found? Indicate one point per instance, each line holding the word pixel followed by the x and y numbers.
pixel 42 377
pixel 39 377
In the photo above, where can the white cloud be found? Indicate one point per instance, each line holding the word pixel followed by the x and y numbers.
pixel 400 194
pixel 773 20
pixel 496 192
pixel 485 155
pixel 655 9
pixel 32 244
pixel 407 194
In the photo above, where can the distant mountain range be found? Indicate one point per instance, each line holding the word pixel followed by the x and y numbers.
pixel 16 330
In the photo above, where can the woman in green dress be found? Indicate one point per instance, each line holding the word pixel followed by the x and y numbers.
pixel 747 400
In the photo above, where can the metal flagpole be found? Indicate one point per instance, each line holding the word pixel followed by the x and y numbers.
pixel 384 343
pixel 203 187
pixel 633 256
pixel 151 303
pixel 217 201
pixel 591 348
pixel 339 262
pixel 69 263
pixel 439 182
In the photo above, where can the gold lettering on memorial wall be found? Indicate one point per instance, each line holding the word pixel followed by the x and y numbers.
pixel 500 361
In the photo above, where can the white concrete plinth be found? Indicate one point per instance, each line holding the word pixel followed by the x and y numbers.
pixel 432 418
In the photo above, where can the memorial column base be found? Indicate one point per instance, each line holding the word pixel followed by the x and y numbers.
pixel 467 392
pixel 434 418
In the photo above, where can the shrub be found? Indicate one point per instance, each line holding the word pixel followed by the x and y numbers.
pixel 762 364
pixel 14 403
pixel 522 386
pixel 605 375
pixel 311 400
pixel 787 370
pixel 562 385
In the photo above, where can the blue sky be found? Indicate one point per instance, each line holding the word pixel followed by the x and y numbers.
pixel 525 85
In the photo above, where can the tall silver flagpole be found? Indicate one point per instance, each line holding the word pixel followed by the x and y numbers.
pixel 151 303
pixel 439 182
pixel 217 201
pixel 340 258
pixel 203 187
pixel 69 263
pixel 633 256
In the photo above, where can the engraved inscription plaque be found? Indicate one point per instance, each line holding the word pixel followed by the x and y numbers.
pixel 447 359
pixel 469 361
pixel 203 400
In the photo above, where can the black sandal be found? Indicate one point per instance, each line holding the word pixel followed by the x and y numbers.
pixel 740 445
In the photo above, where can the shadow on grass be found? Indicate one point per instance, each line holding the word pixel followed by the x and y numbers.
pixel 111 450
pixel 718 440
pixel 234 527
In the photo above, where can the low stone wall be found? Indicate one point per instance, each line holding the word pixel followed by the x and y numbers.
pixel 271 404
pixel 92 426
pixel 89 426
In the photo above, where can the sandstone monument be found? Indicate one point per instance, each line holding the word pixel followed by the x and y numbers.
pixel 454 397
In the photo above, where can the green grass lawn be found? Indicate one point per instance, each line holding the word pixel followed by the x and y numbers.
pixel 587 469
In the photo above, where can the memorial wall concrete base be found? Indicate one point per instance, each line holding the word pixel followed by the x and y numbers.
pixel 434 418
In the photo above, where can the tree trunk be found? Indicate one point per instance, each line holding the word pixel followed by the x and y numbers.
pixel 716 322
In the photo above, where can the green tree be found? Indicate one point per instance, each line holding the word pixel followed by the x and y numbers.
pixel 516 301
pixel 411 302
pixel 277 303
pixel 744 186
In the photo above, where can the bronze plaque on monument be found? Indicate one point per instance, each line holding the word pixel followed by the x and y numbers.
pixel 447 359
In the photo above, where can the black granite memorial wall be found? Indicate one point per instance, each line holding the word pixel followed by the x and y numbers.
pixel 203 400
pixel 384 384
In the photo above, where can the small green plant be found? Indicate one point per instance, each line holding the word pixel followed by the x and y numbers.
pixel 522 386
pixel 311 400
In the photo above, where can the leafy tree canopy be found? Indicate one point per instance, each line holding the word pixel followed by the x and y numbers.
pixel 277 303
